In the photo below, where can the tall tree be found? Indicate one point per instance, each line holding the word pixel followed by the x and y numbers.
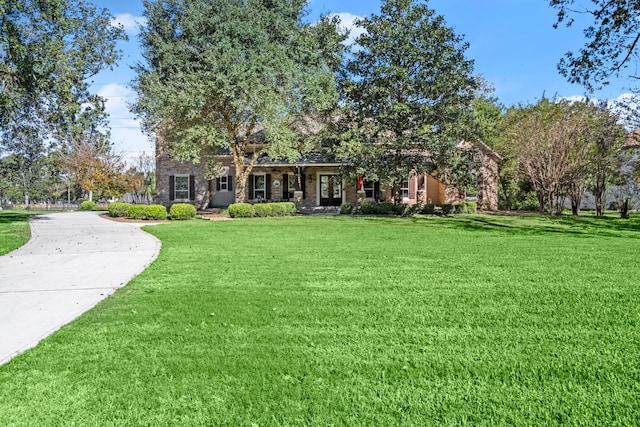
pixel 407 90
pixel 217 74
pixel 613 40
pixel 48 51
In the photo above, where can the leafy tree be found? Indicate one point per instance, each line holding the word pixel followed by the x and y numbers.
pixel 563 148
pixel 612 40
pixel 141 178
pixel 232 74
pixel 48 51
pixel 407 91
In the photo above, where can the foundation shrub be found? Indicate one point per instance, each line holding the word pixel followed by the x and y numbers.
pixel 241 210
pixel 263 210
pixel 447 209
pixel 468 207
pixel 156 212
pixel 283 208
pixel 346 209
pixel 428 209
pixel 137 212
pixel 181 211
pixel 118 209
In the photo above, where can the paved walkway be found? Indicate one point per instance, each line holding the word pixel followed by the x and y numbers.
pixel 73 261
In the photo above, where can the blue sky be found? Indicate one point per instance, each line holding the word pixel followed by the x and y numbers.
pixel 512 42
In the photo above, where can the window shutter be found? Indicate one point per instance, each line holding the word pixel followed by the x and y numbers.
pixel 251 187
pixel 376 190
pixel 192 187
pixel 172 188
pixel 217 184
pixel 230 182
pixel 304 181
pixel 267 185
pixel 412 187
pixel 285 186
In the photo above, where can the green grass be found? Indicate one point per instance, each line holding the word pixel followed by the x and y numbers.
pixel 14 230
pixel 354 321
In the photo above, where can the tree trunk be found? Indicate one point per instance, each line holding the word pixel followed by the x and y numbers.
pixel 599 203
pixel 575 206
pixel 624 209
pixel 540 201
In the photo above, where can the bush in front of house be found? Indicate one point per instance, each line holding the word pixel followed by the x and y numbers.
pixel 156 212
pixel 241 210
pixel 447 209
pixel 263 210
pixel 182 211
pixel 137 212
pixel 283 208
pixel 467 208
pixel 428 209
pixel 118 209
pixel 88 206
pixel 346 209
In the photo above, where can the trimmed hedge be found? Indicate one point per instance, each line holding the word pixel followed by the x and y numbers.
pixel 128 210
pixel 241 210
pixel 245 210
pixel 182 211
pixel 156 212
pixel 88 206
pixel 137 212
pixel 346 209
pixel 263 210
pixel 118 209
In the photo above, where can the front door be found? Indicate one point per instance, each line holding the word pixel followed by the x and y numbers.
pixel 330 190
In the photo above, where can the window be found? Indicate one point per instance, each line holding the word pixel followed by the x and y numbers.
pixel 181 187
pixel 259 187
pixel 291 184
pixel 224 183
pixel 404 189
pixel 369 189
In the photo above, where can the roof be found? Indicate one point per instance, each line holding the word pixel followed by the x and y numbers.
pixel 632 140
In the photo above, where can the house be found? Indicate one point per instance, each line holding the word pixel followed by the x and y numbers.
pixel 311 182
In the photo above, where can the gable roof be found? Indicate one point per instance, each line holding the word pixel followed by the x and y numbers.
pixel 632 140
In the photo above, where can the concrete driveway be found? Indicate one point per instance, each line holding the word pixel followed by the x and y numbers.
pixel 73 261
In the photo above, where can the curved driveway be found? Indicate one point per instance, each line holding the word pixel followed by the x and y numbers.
pixel 73 261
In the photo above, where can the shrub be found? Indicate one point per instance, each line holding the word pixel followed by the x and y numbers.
pixel 118 209
pixel 385 208
pixel 346 209
pixel 182 211
pixel 241 210
pixel 88 206
pixel 137 212
pixel 468 207
pixel 447 208
pixel 428 209
pixel 263 209
pixel 368 208
pixel 283 208
pixel 156 212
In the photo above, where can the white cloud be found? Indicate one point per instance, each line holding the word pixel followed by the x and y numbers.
pixel 126 134
pixel 347 22
pixel 129 22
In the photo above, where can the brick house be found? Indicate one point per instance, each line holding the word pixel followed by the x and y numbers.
pixel 310 182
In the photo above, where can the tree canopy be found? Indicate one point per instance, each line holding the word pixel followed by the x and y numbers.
pixel 613 39
pixel 407 91
pixel 216 74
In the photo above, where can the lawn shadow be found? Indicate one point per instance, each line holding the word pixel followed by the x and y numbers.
pixel 523 225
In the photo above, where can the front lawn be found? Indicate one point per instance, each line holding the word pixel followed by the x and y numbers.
pixel 354 321
pixel 14 230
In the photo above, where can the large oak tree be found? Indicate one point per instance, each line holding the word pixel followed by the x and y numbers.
pixel 408 90
pixel 219 74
